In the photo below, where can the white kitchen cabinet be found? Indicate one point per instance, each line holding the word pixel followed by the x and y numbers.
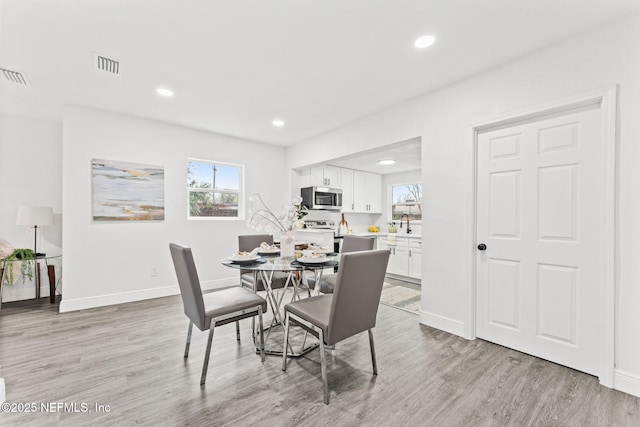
pixel 322 176
pixel 373 183
pixel 399 259
pixel 346 183
pixel 415 259
pixel 332 176
pixel 405 258
pixel 365 194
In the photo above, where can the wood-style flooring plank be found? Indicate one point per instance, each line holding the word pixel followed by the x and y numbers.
pixel 130 357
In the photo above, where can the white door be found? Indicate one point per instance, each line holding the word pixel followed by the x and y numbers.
pixel 540 193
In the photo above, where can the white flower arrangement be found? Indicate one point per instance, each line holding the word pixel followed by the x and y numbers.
pixel 263 218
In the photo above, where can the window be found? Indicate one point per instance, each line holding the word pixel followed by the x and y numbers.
pixel 215 189
pixel 406 199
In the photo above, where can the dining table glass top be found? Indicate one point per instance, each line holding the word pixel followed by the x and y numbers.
pixel 278 263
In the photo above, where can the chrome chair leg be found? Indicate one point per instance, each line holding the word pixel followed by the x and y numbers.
pixel 186 348
pixel 373 353
pixel 323 368
pixel 253 328
pixel 238 330
pixel 286 341
pixel 261 334
pixel 206 355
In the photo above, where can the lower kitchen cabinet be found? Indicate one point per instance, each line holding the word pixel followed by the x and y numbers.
pixel 406 257
pixel 415 258
pixel 398 260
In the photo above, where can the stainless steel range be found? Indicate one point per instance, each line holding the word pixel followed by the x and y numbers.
pixel 322 224
pixel 320 232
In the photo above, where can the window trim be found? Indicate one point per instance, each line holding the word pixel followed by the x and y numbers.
pixel 241 192
pixel 389 206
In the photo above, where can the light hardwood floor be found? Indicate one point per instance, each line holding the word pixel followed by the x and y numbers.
pixel 130 357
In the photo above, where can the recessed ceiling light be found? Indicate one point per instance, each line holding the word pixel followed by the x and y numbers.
pixel 424 41
pixel 278 123
pixel 386 162
pixel 164 92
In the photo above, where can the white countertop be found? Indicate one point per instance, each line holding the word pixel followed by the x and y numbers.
pixel 398 236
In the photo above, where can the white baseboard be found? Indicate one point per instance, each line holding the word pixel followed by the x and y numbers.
pixel 626 382
pixel 67 305
pixel 443 323
pixel 3 394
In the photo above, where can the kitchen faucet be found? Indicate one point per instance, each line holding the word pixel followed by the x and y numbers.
pixel 408 228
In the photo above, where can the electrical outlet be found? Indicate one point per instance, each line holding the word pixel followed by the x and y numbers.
pixel 154 271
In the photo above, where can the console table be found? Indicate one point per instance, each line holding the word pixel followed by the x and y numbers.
pixel 51 274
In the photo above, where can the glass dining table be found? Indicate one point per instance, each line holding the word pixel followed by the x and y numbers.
pixel 264 266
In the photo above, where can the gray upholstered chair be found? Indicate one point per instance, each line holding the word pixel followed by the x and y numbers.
pixel 212 309
pixel 349 244
pixel 351 309
pixel 248 243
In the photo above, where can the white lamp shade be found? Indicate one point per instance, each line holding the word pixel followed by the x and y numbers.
pixel 35 215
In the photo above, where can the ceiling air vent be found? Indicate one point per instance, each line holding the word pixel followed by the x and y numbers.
pixel 15 77
pixel 108 65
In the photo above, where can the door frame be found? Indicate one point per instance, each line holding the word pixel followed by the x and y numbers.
pixel 607 99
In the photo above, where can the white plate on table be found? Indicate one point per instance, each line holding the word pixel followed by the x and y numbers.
pixel 319 249
pixel 313 260
pixel 269 250
pixel 242 258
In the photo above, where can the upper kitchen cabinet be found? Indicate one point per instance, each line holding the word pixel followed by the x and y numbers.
pixel 328 176
pixel 361 191
pixel 346 179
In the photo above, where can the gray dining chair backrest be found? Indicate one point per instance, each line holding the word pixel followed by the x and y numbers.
pixel 189 284
pixel 356 297
pixel 249 242
pixel 357 243
pixel 349 244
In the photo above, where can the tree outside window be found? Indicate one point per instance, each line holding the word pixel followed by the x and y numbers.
pixel 215 189
pixel 406 199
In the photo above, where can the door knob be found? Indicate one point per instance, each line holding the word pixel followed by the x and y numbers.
pixel 482 247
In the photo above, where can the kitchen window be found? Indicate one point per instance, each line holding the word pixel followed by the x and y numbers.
pixel 406 199
pixel 215 190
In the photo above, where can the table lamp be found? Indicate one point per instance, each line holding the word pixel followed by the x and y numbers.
pixel 35 216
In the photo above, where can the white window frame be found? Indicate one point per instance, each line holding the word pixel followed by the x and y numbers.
pixel 390 201
pixel 241 192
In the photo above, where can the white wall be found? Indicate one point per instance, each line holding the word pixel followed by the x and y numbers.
pixel 444 119
pixel 110 262
pixel 30 175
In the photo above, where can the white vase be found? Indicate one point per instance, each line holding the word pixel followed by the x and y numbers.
pixel 287 244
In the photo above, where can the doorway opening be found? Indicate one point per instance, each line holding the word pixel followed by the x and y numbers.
pixel 401 294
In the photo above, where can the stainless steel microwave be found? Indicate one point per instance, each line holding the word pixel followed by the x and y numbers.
pixel 322 198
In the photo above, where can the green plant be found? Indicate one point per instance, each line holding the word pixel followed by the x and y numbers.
pixel 25 257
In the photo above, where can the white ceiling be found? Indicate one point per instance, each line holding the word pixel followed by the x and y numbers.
pixel 237 64
pixel 407 155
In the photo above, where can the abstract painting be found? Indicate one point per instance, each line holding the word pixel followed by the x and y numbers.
pixel 125 191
